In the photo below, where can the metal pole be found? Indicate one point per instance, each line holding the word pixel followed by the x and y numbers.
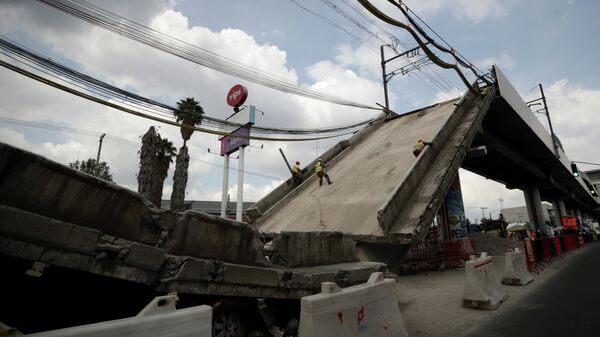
pixel 240 193
pixel 385 88
pixel 225 187
pixel 549 122
pixel 286 162
pixel 100 148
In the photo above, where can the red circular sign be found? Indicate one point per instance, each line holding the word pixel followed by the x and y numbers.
pixel 237 95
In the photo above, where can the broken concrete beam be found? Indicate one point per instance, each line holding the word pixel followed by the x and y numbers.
pixel 206 236
pixel 295 249
pixel 36 184
pixel 33 228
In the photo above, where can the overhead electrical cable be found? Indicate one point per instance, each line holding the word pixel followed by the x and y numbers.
pixel 125 27
pixel 144 115
pixel 65 129
pixel 421 31
pixel 334 24
pixel 434 58
pixel 114 93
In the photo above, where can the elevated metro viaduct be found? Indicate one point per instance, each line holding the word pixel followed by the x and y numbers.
pixel 387 199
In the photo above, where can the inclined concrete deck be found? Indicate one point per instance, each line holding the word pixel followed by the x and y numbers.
pixel 363 177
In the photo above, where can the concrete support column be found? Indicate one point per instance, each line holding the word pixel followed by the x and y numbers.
pixel 561 206
pixel 557 214
pixel 533 201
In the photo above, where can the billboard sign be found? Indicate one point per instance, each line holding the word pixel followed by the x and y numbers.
pixel 231 143
pixel 456 211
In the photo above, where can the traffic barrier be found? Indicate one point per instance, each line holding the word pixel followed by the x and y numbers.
pixel 369 309
pixel 569 243
pixel 546 254
pixel 482 289
pixel 532 264
pixel 515 269
pixel 159 318
pixel 557 247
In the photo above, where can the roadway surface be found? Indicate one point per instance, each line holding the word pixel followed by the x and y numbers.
pixel 565 305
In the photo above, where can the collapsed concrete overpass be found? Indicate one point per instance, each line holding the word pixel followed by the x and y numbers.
pixel 384 196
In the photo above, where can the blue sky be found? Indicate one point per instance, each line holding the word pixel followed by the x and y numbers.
pixel 552 42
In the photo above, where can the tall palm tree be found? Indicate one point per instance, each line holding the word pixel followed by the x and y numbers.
pixel 180 178
pixel 150 141
pixel 190 113
pixel 164 157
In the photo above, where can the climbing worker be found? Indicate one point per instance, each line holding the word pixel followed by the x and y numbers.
pixel 320 170
pixel 297 173
pixel 420 146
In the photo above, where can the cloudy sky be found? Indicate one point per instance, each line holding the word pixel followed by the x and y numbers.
pixel 306 42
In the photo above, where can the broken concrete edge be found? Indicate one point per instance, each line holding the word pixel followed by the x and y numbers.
pixel 283 192
pixel 203 235
pixel 391 207
pixel 34 183
pixel 9 151
pixel 295 249
pixel 195 234
pixel 448 176
pixel 192 275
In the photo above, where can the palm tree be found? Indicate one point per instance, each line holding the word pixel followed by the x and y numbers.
pixel 150 141
pixel 190 113
pixel 164 157
pixel 180 178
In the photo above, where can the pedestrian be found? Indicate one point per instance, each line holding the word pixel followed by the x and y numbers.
pixel 419 146
pixel 297 173
pixel 320 170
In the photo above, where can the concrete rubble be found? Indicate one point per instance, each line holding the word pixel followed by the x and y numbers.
pixel 55 215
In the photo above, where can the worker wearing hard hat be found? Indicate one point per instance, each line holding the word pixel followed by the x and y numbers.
pixel 420 146
pixel 320 171
pixel 297 173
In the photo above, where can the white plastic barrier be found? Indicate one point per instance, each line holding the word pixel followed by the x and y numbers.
pixel 159 318
pixel 482 289
pixel 369 309
pixel 515 269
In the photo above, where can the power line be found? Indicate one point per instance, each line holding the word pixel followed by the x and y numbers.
pixel 124 27
pixel 61 72
pixel 141 114
pixel 65 129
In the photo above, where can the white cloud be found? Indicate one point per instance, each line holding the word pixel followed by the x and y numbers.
pixel 474 11
pixel 505 61
pixel 574 112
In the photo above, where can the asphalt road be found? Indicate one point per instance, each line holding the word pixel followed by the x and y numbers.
pixel 568 304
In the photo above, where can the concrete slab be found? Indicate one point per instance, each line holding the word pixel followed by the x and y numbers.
pixel 364 177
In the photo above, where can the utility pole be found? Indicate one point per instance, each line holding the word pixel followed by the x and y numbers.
pixel 483 212
pixel 387 77
pixel 100 148
pixel 547 113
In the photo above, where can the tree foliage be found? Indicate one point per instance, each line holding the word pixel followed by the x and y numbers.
pixel 100 170
pixel 189 108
